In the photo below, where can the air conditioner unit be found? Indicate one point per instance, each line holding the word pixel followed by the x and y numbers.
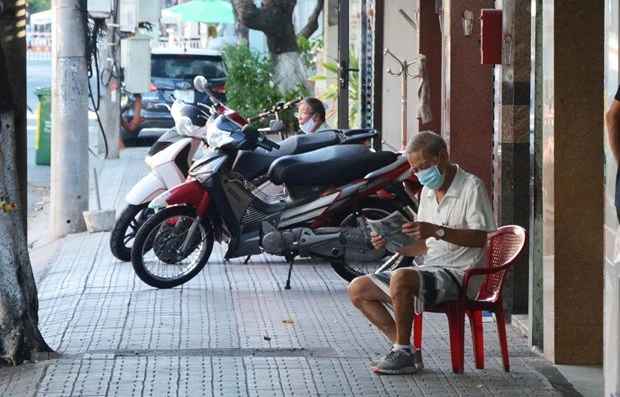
pixel 134 12
pixel 136 63
pixel 99 9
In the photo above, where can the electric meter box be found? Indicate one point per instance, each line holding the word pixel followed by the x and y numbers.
pixel 133 12
pixel 99 9
pixel 136 63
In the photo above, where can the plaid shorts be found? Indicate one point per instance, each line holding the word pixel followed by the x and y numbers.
pixel 437 285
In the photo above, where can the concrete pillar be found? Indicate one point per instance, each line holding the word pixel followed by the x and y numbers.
pixel 430 45
pixel 536 287
pixel 467 107
pixel 573 37
pixel 611 308
pixel 110 111
pixel 69 151
pixel 511 159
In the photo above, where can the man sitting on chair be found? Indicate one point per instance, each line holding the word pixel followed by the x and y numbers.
pixel 454 218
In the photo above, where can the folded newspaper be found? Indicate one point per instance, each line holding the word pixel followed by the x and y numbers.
pixel 390 228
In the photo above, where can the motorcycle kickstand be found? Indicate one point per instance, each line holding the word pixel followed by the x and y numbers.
pixel 247 259
pixel 289 259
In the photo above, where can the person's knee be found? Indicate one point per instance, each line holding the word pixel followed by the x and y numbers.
pixel 356 289
pixel 403 281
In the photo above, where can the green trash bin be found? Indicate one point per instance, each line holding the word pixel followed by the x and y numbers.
pixel 43 141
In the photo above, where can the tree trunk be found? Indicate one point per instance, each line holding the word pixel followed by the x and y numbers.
pixel 19 306
pixel 275 19
pixel 13 75
pixel 289 72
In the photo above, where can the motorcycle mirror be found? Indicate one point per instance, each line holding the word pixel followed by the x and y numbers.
pixel 250 132
pixel 200 83
pixel 276 126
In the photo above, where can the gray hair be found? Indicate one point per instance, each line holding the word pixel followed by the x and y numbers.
pixel 428 140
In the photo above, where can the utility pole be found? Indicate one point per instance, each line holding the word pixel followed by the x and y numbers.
pixel 69 151
pixel 109 112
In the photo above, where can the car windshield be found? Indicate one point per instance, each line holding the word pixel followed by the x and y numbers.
pixel 187 66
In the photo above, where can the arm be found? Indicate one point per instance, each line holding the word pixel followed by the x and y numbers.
pixel 612 117
pixel 477 220
pixel 462 237
pixel 416 249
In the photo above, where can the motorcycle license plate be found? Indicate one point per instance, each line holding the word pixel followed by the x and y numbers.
pixel 184 95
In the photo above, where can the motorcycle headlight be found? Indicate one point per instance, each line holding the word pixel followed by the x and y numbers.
pixel 203 173
pixel 204 178
pixel 216 137
pixel 184 126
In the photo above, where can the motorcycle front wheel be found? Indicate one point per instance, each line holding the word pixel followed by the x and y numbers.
pixel 371 208
pixel 171 247
pixel 125 229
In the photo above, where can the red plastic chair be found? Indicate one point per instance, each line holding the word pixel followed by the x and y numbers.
pixel 504 248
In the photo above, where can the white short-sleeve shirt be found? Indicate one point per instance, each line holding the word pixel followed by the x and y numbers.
pixel 466 205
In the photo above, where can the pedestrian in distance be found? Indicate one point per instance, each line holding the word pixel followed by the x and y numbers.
pixel 311 116
pixel 451 229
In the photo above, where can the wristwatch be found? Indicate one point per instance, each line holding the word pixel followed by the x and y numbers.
pixel 440 232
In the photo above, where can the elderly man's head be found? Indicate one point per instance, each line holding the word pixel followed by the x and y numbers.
pixel 427 154
pixel 310 114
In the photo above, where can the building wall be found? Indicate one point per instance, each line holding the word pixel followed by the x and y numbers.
pixel 402 40
pixel 573 181
pixel 612 264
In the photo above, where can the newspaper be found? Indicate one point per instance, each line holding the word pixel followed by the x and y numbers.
pixel 390 228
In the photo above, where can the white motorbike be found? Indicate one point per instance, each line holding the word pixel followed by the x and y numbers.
pixel 169 160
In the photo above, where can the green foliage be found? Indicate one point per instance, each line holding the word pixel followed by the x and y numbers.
pixel 249 87
pixel 35 6
pixel 331 91
pixel 307 50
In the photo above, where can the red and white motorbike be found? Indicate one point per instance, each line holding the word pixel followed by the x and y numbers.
pixel 170 158
pixel 329 193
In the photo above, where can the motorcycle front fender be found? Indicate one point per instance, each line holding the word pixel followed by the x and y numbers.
pixel 147 188
pixel 190 192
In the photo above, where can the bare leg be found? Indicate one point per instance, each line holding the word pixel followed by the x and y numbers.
pixel 404 285
pixel 370 299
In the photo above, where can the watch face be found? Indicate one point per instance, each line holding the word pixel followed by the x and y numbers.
pixel 440 232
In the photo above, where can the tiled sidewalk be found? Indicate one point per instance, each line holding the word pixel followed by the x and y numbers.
pixel 224 334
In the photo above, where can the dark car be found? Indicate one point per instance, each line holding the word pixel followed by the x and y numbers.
pixel 172 75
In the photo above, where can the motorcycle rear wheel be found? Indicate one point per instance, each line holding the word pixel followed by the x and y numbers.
pixel 125 229
pixel 371 208
pixel 156 256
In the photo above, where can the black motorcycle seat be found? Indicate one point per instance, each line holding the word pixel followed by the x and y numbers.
pixel 329 165
pixel 251 164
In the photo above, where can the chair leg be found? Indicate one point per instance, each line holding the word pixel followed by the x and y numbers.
pixel 417 331
pixel 456 321
pixel 501 332
pixel 477 336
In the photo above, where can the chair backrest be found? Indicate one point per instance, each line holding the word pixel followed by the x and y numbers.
pixel 504 248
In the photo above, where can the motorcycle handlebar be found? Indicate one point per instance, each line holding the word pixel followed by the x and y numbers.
pixel 276 108
pixel 271 144
pixel 292 102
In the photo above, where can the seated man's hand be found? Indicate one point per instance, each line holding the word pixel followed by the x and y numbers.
pixel 377 241
pixel 419 230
